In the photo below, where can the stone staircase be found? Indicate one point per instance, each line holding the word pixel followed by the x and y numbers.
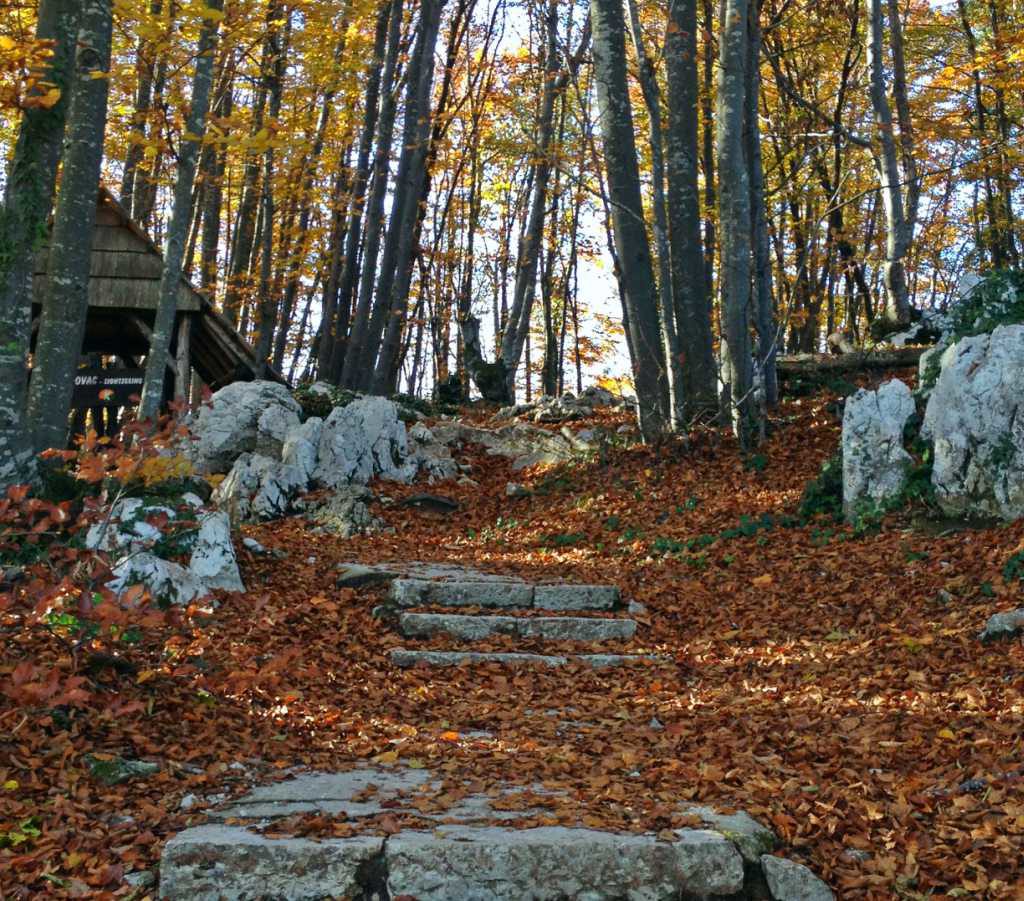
pixel 512 608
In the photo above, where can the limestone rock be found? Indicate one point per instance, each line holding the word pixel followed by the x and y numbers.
pixel 874 461
pixel 1000 626
pixel 259 488
pixel 554 862
pixel 127 528
pixel 273 427
pixel 345 512
pixel 791 881
pixel 975 417
pixel 301 445
pixel 363 440
pixel 514 489
pixel 213 556
pixel 219 863
pixel 165 581
pixel 430 456
pixel 753 839
pixel 230 424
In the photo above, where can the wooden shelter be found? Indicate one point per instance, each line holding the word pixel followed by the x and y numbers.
pixel 124 288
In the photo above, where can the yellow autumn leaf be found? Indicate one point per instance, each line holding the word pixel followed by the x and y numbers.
pixel 387 757
pixel 947 734
pixel 6 43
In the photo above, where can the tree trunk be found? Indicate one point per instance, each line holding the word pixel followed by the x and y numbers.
pixel 666 305
pixel 399 248
pixel 899 228
pixel 240 258
pixel 640 293
pixel 181 215
pixel 339 288
pixel 764 303
pixel 735 224
pixel 65 304
pixel 690 298
pixel 28 199
pixel 357 350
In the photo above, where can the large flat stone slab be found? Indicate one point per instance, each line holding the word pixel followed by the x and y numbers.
pixel 477 628
pixel 576 597
pixel 407 658
pixel 450 863
pixel 414 592
pixel 227 863
pixel 355 575
pixel 551 863
pixel 466 855
pixel 362 792
pixel 506 593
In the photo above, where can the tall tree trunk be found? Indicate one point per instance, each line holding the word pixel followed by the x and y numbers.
pixel 899 225
pixel 339 287
pixel 636 271
pixel 518 325
pixel 181 215
pixel 143 105
pixel 735 224
pixel 764 302
pixel 240 258
pixel 356 350
pixel 214 199
pixel 28 199
pixel 666 306
pixel 267 312
pixel 399 247
pixel 66 302
pixel 690 298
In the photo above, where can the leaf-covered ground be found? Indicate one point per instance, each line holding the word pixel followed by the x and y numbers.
pixel 828 682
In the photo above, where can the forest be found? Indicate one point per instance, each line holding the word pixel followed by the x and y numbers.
pixel 399 196
pixel 491 450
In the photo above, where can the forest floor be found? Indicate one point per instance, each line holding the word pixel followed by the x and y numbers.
pixel 826 681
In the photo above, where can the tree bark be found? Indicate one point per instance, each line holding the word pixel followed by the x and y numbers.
pixel 65 304
pixel 356 350
pixel 735 225
pixel 690 298
pixel 640 293
pixel 181 216
pixel 399 247
pixel 768 333
pixel 28 199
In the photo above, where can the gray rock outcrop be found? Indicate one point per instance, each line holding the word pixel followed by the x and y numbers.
pixel 363 440
pixel 874 461
pixel 344 512
pixel 213 556
pixel 259 487
pixel 238 418
pixel 975 419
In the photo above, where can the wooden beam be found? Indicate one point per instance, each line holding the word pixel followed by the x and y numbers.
pixel 147 333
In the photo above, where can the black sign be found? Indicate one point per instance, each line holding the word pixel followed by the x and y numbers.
pixel 107 387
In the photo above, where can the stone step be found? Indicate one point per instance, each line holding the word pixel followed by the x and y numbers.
pixel 550 628
pixel 407 658
pixel 511 594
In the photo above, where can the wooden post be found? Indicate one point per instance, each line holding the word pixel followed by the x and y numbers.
pixel 183 375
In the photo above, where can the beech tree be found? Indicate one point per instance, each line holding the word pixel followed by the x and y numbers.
pixel 174 248
pixel 27 201
pixel 65 302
